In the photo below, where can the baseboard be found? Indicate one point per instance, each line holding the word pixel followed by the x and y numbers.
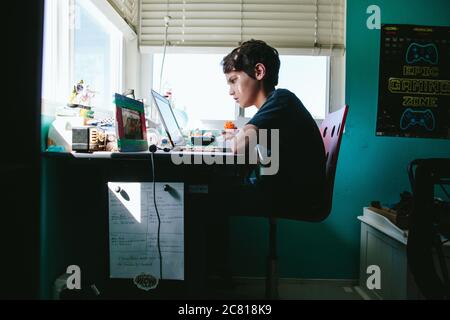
pixel 299 289
pixel 281 281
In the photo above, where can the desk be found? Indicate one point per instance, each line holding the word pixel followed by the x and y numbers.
pixel 75 217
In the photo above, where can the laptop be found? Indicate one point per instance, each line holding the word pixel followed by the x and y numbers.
pixel 173 130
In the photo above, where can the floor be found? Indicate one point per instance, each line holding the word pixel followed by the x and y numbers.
pixel 289 289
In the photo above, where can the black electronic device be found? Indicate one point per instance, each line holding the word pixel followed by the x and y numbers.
pixel 153 148
pixel 202 140
pixel 88 139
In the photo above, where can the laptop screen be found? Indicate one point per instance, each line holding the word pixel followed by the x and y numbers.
pixel 168 119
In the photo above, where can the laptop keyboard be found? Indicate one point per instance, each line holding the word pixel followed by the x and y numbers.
pixel 204 149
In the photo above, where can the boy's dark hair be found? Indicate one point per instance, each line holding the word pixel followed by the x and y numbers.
pixel 248 55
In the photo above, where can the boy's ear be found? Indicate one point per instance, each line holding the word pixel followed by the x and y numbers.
pixel 260 71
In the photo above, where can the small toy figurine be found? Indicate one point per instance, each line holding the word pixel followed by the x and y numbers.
pixel 81 96
pixel 229 125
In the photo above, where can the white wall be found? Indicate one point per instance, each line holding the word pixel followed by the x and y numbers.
pixel 131 66
pixel 146 77
pixel 337 83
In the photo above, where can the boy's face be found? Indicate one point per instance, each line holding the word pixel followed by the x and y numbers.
pixel 243 88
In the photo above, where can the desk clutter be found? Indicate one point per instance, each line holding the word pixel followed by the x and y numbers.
pixel 79 128
pixel 399 213
pixel 90 139
pixel 72 132
pixel 392 216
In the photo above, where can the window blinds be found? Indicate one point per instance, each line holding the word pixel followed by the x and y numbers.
pixel 128 10
pixel 304 24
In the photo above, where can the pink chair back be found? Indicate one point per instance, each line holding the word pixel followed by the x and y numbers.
pixel 332 129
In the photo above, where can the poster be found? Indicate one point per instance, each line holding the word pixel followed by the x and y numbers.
pixel 414 83
pixel 133 230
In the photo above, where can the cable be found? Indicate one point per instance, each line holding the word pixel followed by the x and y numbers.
pixel 153 148
pixel 166 22
pixel 157 214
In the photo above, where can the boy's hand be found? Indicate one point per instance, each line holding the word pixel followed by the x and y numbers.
pixel 229 134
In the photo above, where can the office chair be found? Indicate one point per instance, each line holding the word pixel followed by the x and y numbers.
pixel 429 219
pixel 331 130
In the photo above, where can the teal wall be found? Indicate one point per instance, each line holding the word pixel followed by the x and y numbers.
pixel 370 167
pixel 46 121
pixel 46 223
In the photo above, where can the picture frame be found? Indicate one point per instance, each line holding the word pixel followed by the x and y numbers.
pixel 131 128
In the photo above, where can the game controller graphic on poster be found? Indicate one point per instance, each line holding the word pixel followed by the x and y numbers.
pixel 411 118
pixel 427 53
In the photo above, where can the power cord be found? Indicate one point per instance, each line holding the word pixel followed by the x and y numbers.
pixel 166 24
pixel 152 150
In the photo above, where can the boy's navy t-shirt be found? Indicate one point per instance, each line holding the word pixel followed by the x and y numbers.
pixel 301 174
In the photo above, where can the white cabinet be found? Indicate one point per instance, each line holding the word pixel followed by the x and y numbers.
pixel 384 245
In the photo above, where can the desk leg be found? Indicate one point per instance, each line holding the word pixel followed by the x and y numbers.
pixel 195 254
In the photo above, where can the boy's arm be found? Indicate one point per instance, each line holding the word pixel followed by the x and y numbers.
pixel 241 140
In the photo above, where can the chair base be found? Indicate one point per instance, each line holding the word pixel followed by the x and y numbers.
pixel 272 262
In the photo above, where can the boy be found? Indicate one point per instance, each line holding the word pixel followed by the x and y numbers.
pixel 296 191
pixel 251 71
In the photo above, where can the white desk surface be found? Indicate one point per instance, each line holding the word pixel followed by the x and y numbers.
pixel 384 225
pixel 104 154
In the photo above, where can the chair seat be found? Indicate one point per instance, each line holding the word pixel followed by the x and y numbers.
pixel 331 130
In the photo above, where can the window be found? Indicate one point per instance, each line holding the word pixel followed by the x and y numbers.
pixel 199 88
pixel 97 59
pixel 47 91
pixel 56 63
pixel 310 33
pixel 306 76
pixel 80 43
